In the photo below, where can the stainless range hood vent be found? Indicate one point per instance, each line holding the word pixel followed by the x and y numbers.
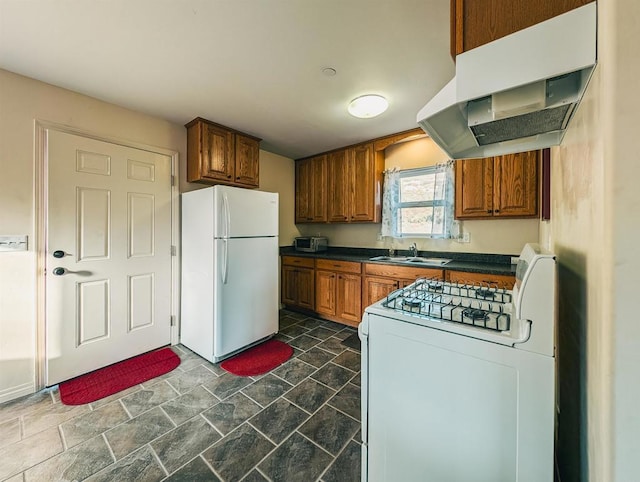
pixel 525 125
pixel 517 93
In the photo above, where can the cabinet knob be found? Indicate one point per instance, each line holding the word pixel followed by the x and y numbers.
pixel 229 176
pixel 489 211
pixel 496 211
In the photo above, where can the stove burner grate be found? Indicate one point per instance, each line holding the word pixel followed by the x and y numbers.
pixel 476 306
pixel 485 293
pixel 475 314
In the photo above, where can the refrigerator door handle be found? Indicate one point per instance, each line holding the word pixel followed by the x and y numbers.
pixel 227 216
pixel 225 261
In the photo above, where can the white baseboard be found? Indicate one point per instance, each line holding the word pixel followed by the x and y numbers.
pixel 16 392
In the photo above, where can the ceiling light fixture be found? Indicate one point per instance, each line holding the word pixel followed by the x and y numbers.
pixel 367 106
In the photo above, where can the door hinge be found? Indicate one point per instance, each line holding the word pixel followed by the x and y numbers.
pixel 173 250
pixel 173 320
pixel 173 180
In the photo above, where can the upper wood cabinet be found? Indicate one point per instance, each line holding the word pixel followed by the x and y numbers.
pixel 338 186
pixel 477 22
pixel 354 185
pixel 351 186
pixel 311 190
pixel 365 172
pixel 219 155
pixel 502 186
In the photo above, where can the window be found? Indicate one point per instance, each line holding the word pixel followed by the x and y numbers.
pixel 418 202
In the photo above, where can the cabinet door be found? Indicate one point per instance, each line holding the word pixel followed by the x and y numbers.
pixel 515 192
pixel 247 156
pixel 318 188
pixel 474 188
pixel 326 293
pixel 349 297
pixel 338 182
pixel 365 186
pixel 497 280
pixel 374 289
pixel 289 285
pixel 303 191
pixel 311 188
pixel 217 153
pixel 306 292
pixel 477 22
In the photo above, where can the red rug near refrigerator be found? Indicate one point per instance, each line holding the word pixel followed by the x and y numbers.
pixel 259 359
pixel 117 377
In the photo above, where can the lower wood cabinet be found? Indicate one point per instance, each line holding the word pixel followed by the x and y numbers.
pixel 341 290
pixel 375 288
pixel 298 287
pixel 338 291
pixel 497 280
pixel 382 279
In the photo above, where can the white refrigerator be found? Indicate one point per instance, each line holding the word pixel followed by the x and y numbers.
pixel 229 270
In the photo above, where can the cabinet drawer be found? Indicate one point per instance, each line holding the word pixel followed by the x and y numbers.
pixel 499 280
pixel 401 272
pixel 336 265
pixel 298 261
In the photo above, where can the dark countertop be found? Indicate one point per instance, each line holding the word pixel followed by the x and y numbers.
pixel 469 262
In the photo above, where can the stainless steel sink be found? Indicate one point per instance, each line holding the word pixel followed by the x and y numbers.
pixel 420 260
pixel 412 260
pixel 388 258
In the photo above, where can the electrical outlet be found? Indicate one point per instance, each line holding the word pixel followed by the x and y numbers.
pixel 465 238
pixel 379 238
pixel 515 259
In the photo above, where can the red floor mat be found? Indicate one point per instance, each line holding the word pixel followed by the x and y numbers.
pixel 259 359
pixel 114 378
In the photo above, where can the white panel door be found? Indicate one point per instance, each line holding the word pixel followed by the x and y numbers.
pixel 108 264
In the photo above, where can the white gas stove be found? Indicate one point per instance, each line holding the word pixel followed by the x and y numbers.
pixel 458 380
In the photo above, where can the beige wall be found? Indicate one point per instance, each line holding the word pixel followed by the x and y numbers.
pixel 277 174
pixel 595 224
pixel 24 100
pixel 498 237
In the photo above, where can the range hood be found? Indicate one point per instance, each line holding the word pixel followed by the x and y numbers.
pixel 517 93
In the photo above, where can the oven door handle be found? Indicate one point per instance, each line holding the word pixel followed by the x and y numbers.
pixel 525 332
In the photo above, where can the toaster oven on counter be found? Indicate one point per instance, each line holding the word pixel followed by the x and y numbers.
pixel 311 244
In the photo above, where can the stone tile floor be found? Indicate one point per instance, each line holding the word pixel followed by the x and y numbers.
pixel 300 422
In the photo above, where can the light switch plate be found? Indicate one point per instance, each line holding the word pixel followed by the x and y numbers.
pixel 13 243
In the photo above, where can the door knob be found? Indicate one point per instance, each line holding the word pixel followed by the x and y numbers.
pixel 59 271
pixel 58 254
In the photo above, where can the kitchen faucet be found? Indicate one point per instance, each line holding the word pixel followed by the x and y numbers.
pixel 414 250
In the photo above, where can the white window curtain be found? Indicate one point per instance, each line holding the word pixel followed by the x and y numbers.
pixel 392 202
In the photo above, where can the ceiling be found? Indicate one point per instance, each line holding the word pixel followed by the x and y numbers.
pixel 256 66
